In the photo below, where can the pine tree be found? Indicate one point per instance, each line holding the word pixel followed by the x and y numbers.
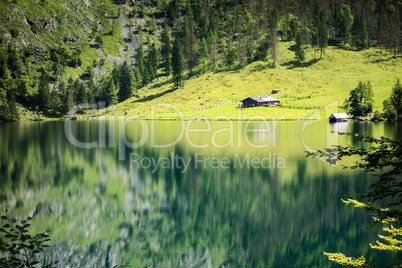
pixel 147 76
pixel 54 102
pixel 189 11
pixel 293 29
pixel 360 101
pixel 390 113
pixel 359 33
pixel 171 13
pixel 24 89
pixel 249 51
pixel 14 62
pixel 4 109
pixel 116 75
pixel 10 103
pixel 368 96
pixel 395 33
pixel 68 101
pixel 262 51
pixel 273 21
pixel 213 47
pixel 13 106
pixel 90 96
pixel 299 48
pixel 125 83
pixel 315 26
pixel 322 33
pixel 154 58
pixel 111 95
pixel 80 94
pixel 133 80
pixel 203 50
pixel 68 96
pixel 396 98
pixel 61 88
pixel 231 56
pixel 185 31
pixel 83 93
pixel 166 51
pixel 152 62
pixel 192 51
pixel 3 64
pixel 343 23
pixel 140 64
pixel 92 87
pixel 43 91
pixel 137 77
pixel 177 63
pixel 57 68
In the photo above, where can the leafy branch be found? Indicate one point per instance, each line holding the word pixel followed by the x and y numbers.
pixel 21 249
pixel 384 158
pixel 384 155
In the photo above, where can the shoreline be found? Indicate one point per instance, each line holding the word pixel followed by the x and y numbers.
pixel 188 119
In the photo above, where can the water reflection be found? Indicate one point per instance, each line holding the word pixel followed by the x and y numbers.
pixel 103 210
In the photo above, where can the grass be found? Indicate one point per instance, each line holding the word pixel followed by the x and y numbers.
pixel 302 90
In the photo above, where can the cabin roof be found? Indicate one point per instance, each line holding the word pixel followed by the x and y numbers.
pixel 262 99
pixel 339 116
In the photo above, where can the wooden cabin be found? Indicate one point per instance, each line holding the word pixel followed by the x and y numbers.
pixel 259 101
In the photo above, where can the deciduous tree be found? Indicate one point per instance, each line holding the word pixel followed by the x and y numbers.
pixel 360 101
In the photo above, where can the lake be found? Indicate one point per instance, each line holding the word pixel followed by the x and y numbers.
pixel 187 193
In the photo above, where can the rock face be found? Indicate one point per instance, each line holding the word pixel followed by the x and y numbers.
pixel 103 30
pixel 40 25
pixel 126 34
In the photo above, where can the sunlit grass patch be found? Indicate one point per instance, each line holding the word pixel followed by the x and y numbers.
pixel 302 90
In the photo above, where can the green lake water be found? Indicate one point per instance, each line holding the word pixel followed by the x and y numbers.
pixel 200 194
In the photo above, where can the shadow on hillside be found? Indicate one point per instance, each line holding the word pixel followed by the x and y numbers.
pixel 159 84
pixel 155 96
pixel 296 64
pixel 347 47
pixel 382 55
pixel 391 57
pixel 292 48
pixel 260 67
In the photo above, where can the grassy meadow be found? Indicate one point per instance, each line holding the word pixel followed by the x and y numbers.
pixel 303 88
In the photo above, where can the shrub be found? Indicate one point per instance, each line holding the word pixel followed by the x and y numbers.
pixel 20 248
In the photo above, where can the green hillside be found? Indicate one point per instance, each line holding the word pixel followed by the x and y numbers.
pixel 302 90
pixel 201 56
